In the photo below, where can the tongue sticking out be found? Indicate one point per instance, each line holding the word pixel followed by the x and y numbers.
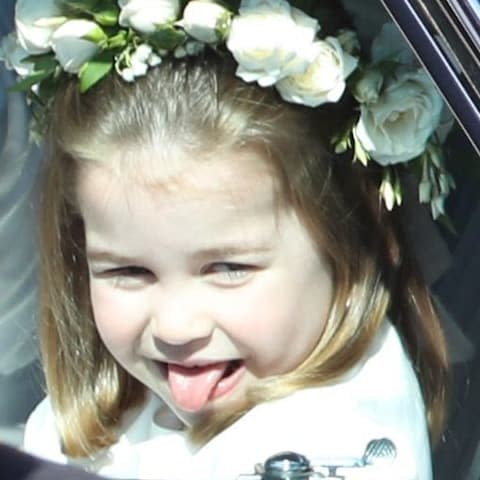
pixel 192 387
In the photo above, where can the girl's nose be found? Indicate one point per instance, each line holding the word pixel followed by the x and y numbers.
pixel 179 319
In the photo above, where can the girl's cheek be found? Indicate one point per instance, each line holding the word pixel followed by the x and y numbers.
pixel 117 317
pixel 257 319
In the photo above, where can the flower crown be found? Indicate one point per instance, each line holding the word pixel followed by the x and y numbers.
pixel 274 42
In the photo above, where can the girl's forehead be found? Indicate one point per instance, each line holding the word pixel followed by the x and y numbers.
pixel 234 176
pixel 235 196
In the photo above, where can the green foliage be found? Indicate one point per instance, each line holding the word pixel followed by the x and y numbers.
pixel 104 12
pixel 28 82
pixel 96 69
pixel 360 153
pixel 43 67
pixel 107 17
pixel 391 190
pixel 167 37
pixel 118 40
pixel 232 5
pixel 75 6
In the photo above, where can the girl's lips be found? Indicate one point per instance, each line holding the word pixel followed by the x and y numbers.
pixel 193 386
pixel 228 382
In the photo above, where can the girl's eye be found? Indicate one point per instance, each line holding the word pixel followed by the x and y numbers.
pixel 126 277
pixel 130 271
pixel 230 272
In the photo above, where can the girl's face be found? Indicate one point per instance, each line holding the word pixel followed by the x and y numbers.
pixel 201 286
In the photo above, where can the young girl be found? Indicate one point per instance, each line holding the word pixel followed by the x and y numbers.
pixel 218 285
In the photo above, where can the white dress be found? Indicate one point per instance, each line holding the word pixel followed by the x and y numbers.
pixel 332 424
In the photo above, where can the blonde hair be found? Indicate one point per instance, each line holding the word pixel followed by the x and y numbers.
pixel 198 103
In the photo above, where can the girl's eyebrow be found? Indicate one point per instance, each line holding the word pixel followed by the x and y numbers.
pixel 232 250
pixel 105 256
pixel 223 251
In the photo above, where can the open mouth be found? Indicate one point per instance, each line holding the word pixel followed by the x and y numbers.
pixel 233 366
pixel 192 387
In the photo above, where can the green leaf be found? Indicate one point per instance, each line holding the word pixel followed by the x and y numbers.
pixel 342 139
pixel 43 67
pixel 96 35
pixel 397 188
pixel 387 191
pixel 117 41
pixel 95 70
pixel 447 223
pixel 166 37
pixel 341 146
pixel 42 63
pixel 223 26
pixel 28 82
pixel 232 5
pixel 106 13
pixel 359 152
pixel 70 7
pixel 106 18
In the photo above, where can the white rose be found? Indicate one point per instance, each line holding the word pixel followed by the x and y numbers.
pixel 145 15
pixel 447 121
pixel 390 44
pixel 349 41
pixel 271 40
pixel 36 21
pixel 75 43
pixel 206 21
pixel 324 80
pixel 367 88
pixel 13 54
pixel 397 127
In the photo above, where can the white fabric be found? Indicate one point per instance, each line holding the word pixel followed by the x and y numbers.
pixel 381 398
